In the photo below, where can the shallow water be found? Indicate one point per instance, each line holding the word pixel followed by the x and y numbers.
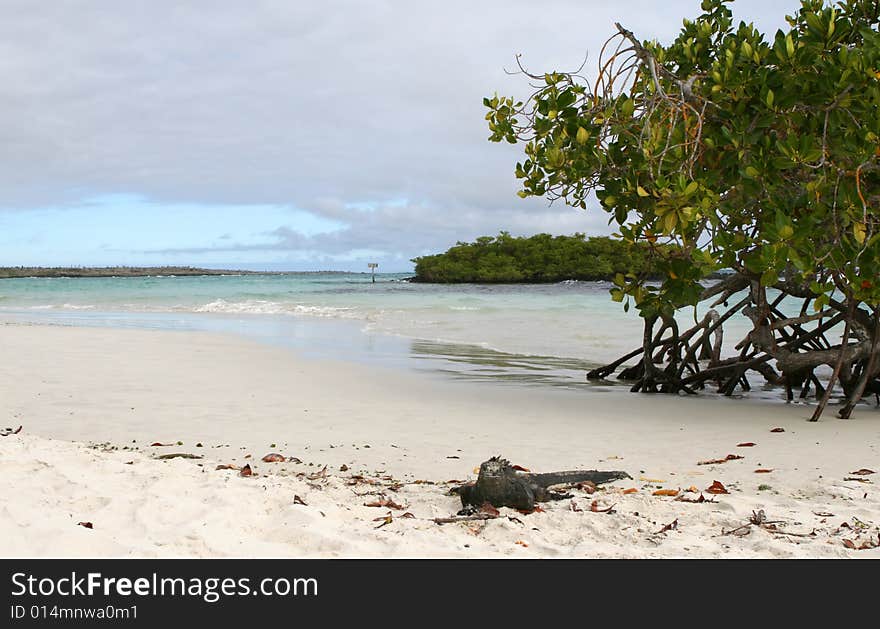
pixel 546 334
pixel 568 319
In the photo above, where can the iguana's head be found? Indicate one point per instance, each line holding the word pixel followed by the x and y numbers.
pixel 495 467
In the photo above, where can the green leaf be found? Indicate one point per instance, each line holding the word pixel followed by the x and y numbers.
pixel 582 135
pixel 859 232
pixel 642 192
pixel 769 277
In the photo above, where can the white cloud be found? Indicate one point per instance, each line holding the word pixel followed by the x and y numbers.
pixel 316 106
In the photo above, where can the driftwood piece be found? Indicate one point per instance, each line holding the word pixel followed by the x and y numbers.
pixel 501 485
pixel 178 455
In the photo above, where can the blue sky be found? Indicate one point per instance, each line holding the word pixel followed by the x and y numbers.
pixel 273 134
pixel 131 230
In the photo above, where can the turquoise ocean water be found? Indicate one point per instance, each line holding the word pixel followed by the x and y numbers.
pixel 547 334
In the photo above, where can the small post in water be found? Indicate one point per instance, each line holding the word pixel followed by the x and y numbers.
pixel 373 266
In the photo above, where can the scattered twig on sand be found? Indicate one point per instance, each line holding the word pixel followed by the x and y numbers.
pixel 702 498
pixel 770 528
pixel 595 508
pixel 729 457
pixel 179 455
pixel 9 431
pixel 322 473
pixel 672 526
pixel 376 492
pixel 385 519
pixel 465 518
pixel 740 531
pixel 759 519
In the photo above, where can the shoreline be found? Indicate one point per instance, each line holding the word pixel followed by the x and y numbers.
pixel 71 385
pixel 40 272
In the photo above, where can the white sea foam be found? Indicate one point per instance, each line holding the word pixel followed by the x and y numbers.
pixel 261 306
pixel 63 307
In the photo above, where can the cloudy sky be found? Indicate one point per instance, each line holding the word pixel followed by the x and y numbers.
pixel 280 133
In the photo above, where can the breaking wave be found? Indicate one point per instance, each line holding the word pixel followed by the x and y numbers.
pixel 260 306
pixel 63 307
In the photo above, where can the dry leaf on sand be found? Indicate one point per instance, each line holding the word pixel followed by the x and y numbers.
pixel 717 488
pixel 665 492
pixel 384 502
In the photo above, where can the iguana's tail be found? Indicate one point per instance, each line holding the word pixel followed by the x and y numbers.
pixel 576 476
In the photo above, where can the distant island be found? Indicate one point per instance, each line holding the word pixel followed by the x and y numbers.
pixel 541 258
pixel 112 271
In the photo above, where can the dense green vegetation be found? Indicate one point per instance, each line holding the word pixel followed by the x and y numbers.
pixel 759 153
pixel 541 258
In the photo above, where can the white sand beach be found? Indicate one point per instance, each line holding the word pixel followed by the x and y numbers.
pixel 91 401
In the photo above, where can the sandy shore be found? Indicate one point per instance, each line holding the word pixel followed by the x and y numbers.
pixel 91 401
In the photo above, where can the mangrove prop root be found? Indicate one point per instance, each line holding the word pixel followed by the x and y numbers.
pixel 783 350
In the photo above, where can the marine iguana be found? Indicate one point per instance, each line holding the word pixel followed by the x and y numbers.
pixel 501 485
